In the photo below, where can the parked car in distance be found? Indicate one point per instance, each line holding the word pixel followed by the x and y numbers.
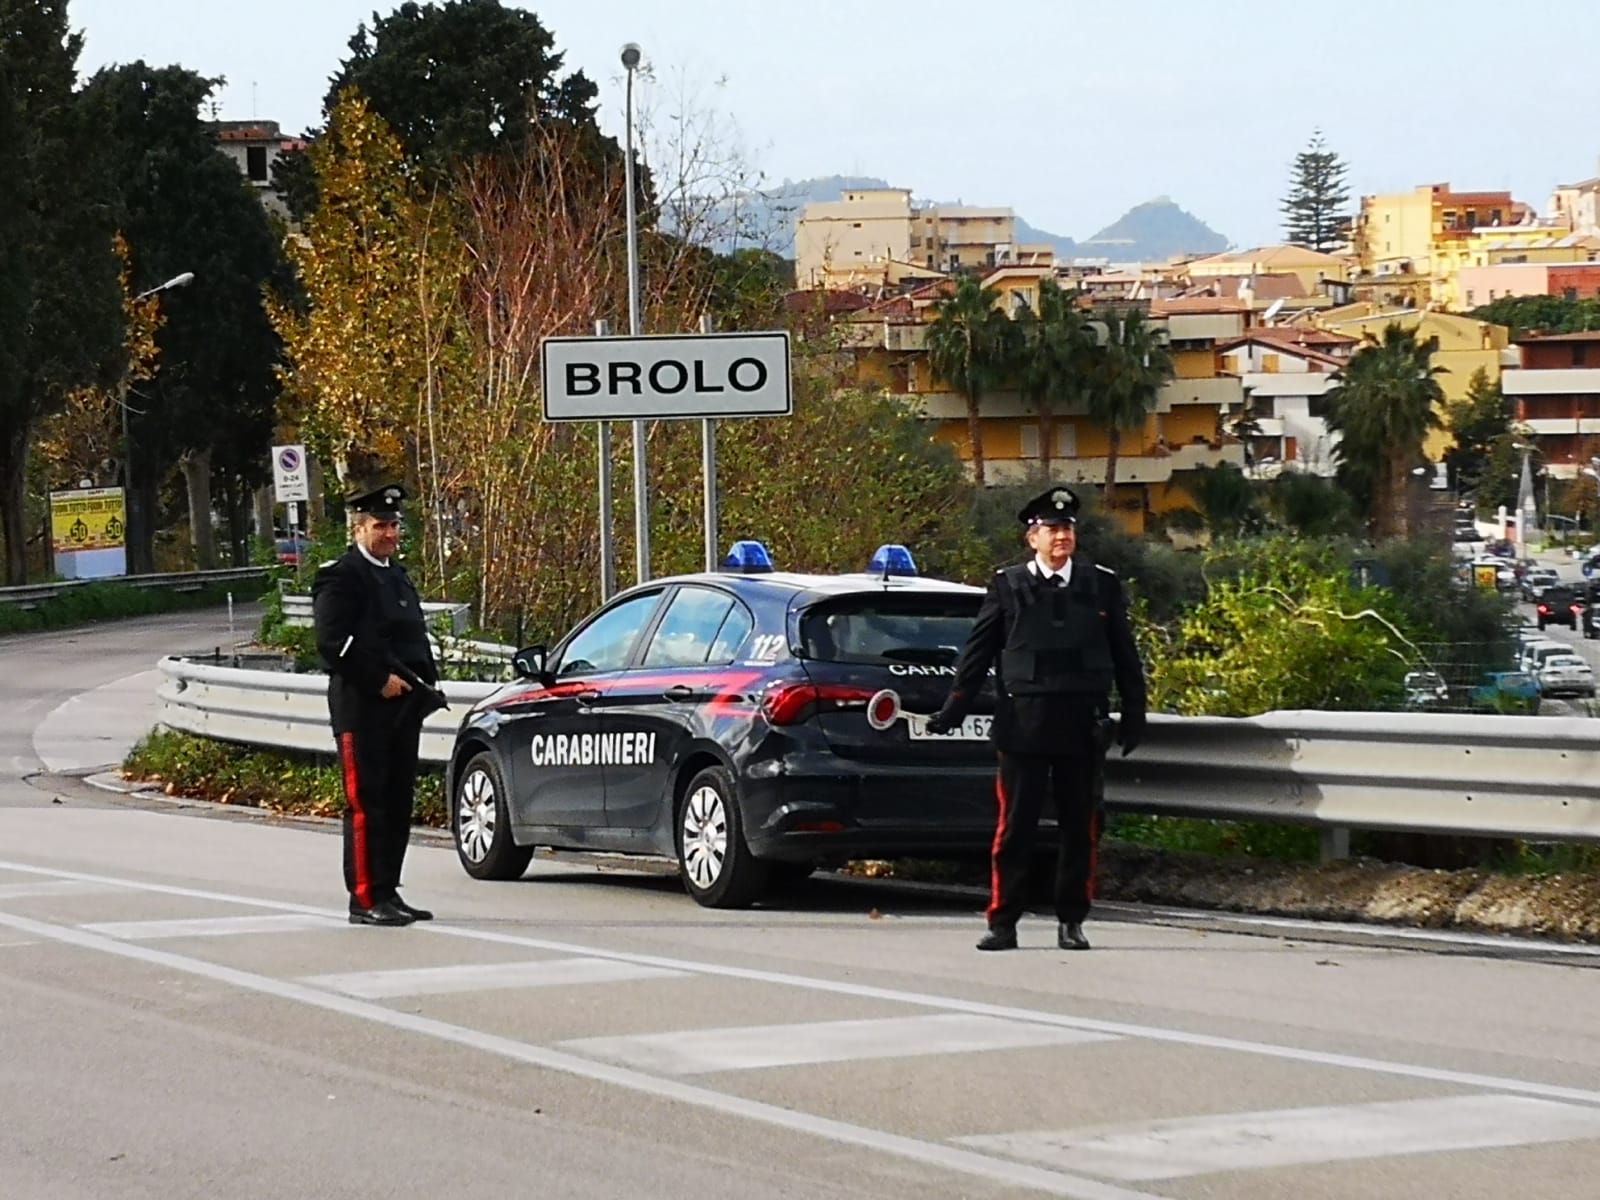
pixel 1533 655
pixel 290 550
pixel 1559 605
pixel 1536 579
pixel 1507 692
pixel 1425 689
pixel 1566 675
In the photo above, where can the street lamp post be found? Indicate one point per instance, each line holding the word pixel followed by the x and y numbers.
pixel 631 57
pixel 177 281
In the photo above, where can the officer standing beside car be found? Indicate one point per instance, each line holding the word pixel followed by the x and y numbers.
pixel 1056 630
pixel 373 643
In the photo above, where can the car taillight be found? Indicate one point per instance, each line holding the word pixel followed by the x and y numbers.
pixel 1544 608
pixel 793 703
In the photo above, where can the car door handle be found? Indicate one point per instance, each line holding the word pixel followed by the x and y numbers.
pixel 679 691
pixel 588 697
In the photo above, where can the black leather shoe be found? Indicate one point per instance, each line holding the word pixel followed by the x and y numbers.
pixel 1069 936
pixel 998 939
pixel 384 912
pixel 416 914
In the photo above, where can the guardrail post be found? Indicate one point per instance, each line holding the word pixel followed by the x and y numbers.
pixel 1334 843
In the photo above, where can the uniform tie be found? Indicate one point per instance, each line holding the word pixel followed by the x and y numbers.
pixel 1058 581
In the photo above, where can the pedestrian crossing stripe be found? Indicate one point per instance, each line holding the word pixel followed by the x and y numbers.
pixel 475 977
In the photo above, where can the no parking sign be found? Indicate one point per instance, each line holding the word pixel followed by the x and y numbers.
pixel 289 474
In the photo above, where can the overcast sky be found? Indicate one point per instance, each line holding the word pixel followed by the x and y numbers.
pixel 1069 111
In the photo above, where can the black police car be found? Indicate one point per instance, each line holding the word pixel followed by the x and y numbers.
pixel 748 723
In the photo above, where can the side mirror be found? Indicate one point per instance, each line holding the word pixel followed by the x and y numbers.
pixel 529 663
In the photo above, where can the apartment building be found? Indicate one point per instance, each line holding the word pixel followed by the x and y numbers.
pixel 1407 245
pixel 876 237
pixel 1570 280
pixel 1286 373
pixel 1556 393
pixel 254 146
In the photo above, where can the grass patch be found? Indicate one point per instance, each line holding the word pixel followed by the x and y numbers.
pixel 1221 839
pixel 279 781
pixel 104 601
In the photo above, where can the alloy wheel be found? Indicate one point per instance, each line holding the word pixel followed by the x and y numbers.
pixel 705 836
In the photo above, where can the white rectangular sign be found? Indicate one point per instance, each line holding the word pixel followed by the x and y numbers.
pixel 289 480
pixel 675 375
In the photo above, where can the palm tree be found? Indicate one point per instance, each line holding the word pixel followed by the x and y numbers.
pixel 1059 346
pixel 1132 367
pixel 973 346
pixel 1382 408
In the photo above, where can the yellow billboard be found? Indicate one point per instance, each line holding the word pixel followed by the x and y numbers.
pixel 87 519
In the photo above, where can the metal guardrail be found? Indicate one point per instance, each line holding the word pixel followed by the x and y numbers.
pixel 281 709
pixel 1494 776
pixel 297 611
pixel 30 595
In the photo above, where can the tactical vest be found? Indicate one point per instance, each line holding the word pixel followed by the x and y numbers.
pixel 1058 643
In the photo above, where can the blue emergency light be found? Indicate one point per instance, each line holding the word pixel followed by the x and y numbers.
pixel 892 559
pixel 748 558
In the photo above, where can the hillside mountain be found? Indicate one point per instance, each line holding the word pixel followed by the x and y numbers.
pixel 1149 232
pixel 1153 231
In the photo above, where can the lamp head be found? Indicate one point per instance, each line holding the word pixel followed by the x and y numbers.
pixel 632 55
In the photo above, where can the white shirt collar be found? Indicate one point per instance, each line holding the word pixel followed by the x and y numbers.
pixel 1042 570
pixel 377 562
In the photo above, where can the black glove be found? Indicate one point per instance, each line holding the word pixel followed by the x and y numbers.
pixel 1130 732
pixel 942 723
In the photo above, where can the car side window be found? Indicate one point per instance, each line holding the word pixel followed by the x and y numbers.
pixel 735 629
pixel 605 643
pixel 689 628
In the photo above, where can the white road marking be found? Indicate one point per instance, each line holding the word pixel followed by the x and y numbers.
pixel 751 1047
pixel 476 977
pixel 1155 1033
pixel 1296 1136
pixel 950 1158
pixel 149 931
pixel 54 887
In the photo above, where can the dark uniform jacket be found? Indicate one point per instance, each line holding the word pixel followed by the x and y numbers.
pixel 1056 652
pixel 367 619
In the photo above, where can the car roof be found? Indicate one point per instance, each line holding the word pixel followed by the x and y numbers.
pixel 823 586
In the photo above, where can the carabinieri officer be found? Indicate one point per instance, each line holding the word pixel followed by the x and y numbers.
pixel 374 645
pixel 1058 626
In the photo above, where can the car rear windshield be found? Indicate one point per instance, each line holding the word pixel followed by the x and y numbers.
pixel 889 628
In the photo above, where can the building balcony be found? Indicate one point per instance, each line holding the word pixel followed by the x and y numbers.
pixel 1568 381
pixel 1289 383
pixel 1557 426
pixel 1223 390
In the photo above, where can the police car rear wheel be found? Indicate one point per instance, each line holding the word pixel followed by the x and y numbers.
pixel 717 867
pixel 481 824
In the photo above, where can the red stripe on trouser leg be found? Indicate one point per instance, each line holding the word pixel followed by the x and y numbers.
pixel 358 821
pixel 994 851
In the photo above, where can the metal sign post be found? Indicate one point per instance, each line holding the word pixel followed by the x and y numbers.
pixel 708 472
pixel 608 551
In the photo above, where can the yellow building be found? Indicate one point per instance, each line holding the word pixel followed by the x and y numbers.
pixel 1465 345
pixel 1408 245
pixel 1311 267
pixel 840 243
pixel 1182 434
pixel 958 237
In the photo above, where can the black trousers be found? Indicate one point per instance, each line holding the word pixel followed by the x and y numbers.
pixel 378 760
pixel 1023 783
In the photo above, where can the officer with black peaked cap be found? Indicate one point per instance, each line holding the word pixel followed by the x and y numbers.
pixel 1056 630
pixel 373 643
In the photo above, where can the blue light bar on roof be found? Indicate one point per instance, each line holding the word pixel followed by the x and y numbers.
pixel 748 558
pixel 892 559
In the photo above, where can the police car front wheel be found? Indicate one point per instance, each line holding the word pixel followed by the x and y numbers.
pixel 717 867
pixel 481 824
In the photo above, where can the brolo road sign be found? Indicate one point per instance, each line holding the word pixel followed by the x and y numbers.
pixel 667 376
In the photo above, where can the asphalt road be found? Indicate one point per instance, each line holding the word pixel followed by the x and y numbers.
pixel 186 1014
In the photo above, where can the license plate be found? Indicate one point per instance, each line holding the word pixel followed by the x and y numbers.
pixel 973 729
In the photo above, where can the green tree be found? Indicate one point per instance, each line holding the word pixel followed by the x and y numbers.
pixel 1127 377
pixel 1314 209
pixel 1476 421
pixel 1311 506
pixel 455 82
pixel 1541 314
pixel 1382 409
pixel 1229 502
pixel 1058 352
pixel 60 305
pixel 973 347
pixel 184 208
